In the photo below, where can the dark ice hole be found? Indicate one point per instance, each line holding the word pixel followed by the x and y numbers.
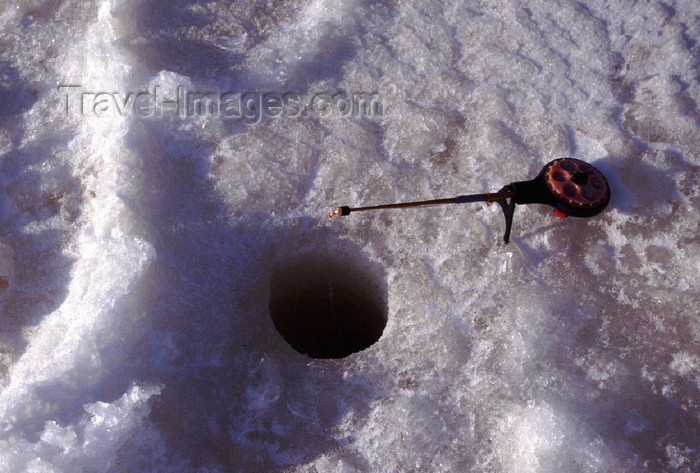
pixel 326 310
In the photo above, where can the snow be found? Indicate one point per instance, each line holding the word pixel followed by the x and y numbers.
pixel 138 238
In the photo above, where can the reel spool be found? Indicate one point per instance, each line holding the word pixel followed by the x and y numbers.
pixel 573 187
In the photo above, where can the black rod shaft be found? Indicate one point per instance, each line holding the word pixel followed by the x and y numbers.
pixel 404 205
pixel 461 199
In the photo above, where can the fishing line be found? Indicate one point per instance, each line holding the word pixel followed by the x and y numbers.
pixel 328 270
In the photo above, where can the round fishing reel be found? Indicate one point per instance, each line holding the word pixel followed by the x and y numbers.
pixel 573 187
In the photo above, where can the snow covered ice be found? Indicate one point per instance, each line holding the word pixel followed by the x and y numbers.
pixel 138 241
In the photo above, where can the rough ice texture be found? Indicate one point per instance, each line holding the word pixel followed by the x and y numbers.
pixel 136 253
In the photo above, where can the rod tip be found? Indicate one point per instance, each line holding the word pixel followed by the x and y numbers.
pixel 344 210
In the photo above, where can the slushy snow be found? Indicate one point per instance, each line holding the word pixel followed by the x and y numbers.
pixel 137 242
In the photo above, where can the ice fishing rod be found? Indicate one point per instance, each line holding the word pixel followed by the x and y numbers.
pixel 573 187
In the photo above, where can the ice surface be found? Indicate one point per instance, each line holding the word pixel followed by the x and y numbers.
pixel 137 244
